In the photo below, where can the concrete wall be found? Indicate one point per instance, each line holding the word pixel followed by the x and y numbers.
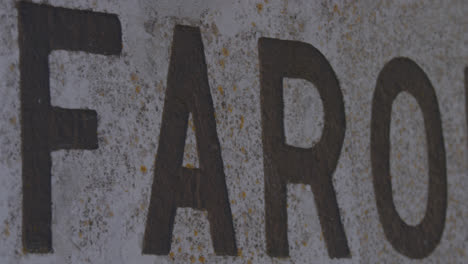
pixel 100 197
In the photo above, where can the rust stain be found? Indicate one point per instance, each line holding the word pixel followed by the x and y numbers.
pixel 190 123
pixel 214 28
pixel 6 230
pixel 143 168
pixel 134 77
pixel 259 7
pixel 225 52
pixel 220 89
pixel 336 10
pixel 243 150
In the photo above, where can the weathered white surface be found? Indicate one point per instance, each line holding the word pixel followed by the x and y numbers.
pixel 100 197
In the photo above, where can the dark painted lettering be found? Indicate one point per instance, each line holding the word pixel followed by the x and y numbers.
pixel 45 128
pixel 402 74
pixel 286 164
pixel 466 99
pixel 175 186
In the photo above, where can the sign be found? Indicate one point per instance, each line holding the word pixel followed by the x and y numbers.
pixel 289 132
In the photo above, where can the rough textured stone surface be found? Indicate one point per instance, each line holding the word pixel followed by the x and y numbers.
pixel 100 197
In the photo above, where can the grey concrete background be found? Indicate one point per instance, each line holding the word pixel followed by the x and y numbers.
pixel 100 197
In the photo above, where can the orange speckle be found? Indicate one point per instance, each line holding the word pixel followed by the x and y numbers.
pixel 80 234
pixel 225 52
pixel 253 24
pixel 133 77
pixel 233 201
pixel 234 88
pixel 250 210
pixel 189 166
pixel 13 120
pixel 201 259
pixel 199 248
pixel 230 108
pixel 137 89
pixel 12 67
pixel 239 252
pixel 259 7
pixel 249 261
pixel 366 237
pixel 6 230
pixel 179 249
pixel 304 243
pixel 221 63
pixel 220 89
pixel 348 36
pixel 301 27
pixel 195 233
pixel 243 195
pixel 335 9
pixel 214 28
pixel 171 254
pixel 143 168
pixel 241 122
pixel 190 123
pixel 243 150
pixel 192 259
